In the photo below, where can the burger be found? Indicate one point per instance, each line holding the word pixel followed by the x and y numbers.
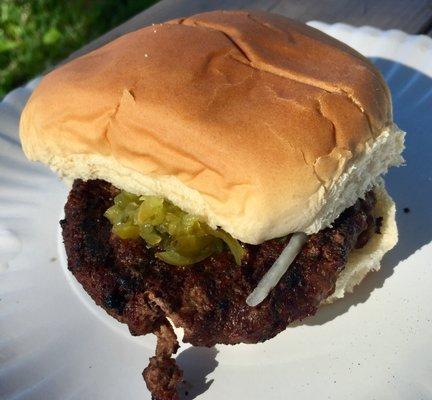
pixel 226 176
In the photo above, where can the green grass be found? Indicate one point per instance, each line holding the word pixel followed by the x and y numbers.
pixel 35 34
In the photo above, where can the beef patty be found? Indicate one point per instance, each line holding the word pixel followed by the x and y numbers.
pixel 207 299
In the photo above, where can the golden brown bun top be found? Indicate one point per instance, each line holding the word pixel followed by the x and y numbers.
pixel 251 120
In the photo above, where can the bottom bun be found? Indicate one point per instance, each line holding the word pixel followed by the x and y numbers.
pixel 369 257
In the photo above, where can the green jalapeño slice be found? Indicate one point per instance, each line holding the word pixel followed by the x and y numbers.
pixel 182 238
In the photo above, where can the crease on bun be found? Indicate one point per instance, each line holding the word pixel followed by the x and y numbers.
pixel 256 123
pixel 368 258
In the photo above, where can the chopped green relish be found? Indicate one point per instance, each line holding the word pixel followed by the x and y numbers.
pixel 183 238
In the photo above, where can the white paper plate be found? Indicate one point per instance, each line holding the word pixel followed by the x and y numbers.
pixel 53 347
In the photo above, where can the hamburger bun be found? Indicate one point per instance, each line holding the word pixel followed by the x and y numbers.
pixel 368 258
pixel 256 123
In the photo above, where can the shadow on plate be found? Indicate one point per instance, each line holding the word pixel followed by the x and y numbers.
pixel 410 186
pixel 197 363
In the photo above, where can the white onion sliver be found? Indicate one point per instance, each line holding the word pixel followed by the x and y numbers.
pixel 277 270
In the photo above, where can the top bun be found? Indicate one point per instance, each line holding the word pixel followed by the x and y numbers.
pixel 259 124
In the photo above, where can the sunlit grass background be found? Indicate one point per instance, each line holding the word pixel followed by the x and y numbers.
pixel 35 34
